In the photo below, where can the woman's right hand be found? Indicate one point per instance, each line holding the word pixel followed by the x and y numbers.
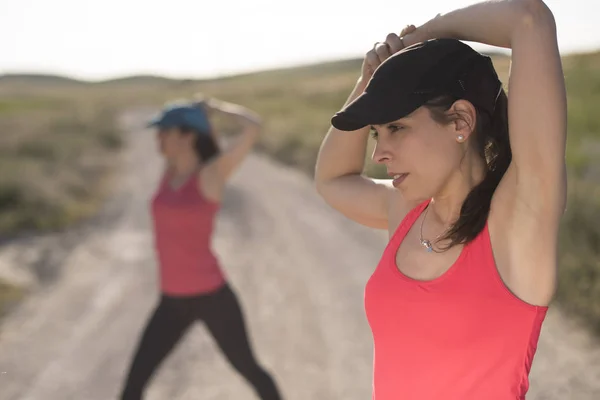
pixel 209 104
pixel 382 50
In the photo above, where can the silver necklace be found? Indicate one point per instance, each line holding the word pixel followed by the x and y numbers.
pixel 426 242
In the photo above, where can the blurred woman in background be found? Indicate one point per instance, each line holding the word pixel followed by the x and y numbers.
pixel 193 285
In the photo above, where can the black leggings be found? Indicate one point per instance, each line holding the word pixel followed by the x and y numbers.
pixel 223 317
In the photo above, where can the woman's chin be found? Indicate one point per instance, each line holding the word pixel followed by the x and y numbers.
pixel 412 196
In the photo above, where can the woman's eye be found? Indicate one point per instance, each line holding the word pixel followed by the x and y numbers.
pixel 373 133
pixel 395 128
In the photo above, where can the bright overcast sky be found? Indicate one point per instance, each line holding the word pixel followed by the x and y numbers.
pixel 203 38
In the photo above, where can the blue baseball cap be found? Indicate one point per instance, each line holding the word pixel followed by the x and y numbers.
pixel 182 116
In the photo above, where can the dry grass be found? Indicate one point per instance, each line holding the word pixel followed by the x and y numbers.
pixel 54 155
pixel 57 134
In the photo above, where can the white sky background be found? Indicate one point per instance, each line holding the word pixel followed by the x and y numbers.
pixel 208 38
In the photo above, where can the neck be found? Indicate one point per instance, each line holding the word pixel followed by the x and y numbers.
pixel 446 205
pixel 184 164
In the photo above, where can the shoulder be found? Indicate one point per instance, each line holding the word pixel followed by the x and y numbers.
pixel 209 183
pixel 401 209
pixel 165 175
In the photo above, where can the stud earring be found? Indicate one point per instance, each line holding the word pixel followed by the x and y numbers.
pixel 460 138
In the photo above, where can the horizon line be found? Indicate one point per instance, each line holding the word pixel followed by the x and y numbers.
pixel 284 66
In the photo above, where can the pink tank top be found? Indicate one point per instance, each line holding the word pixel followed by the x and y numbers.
pixel 183 226
pixel 462 336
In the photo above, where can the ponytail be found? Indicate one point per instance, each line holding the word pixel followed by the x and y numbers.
pixel 491 141
pixel 205 145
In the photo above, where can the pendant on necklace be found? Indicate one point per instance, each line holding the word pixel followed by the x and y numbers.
pixel 427 244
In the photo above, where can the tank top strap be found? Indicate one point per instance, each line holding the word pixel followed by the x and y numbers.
pixel 481 253
pixel 406 223
pixel 195 188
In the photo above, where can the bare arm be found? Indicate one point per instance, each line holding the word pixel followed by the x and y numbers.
pixel 339 175
pixel 235 152
pixel 339 179
pixel 531 197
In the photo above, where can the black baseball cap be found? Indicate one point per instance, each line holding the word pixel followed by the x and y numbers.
pixel 419 73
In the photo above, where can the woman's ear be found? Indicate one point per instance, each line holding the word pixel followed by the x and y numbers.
pixel 465 118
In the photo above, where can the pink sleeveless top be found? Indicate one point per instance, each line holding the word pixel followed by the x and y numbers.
pixel 183 225
pixel 462 336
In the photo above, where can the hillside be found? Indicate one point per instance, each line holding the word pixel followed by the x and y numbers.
pixel 59 135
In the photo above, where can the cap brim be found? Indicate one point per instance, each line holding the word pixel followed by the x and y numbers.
pixel 368 109
pixel 356 115
pixel 159 123
pixel 154 122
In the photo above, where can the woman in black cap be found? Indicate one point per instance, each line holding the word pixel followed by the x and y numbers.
pixel 476 192
pixel 193 286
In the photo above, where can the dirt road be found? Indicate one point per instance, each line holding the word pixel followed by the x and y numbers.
pixel 298 267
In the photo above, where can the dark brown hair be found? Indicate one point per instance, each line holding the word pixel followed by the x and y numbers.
pixel 491 142
pixel 204 144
